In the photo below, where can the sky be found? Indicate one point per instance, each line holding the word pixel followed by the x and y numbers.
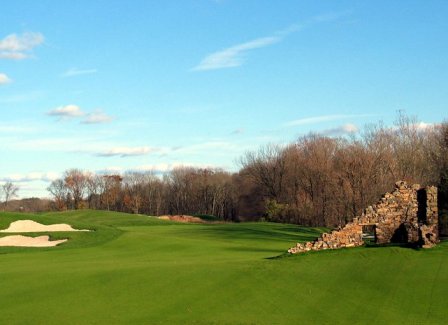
pixel 115 86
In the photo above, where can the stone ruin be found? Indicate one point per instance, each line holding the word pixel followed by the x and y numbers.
pixel 407 215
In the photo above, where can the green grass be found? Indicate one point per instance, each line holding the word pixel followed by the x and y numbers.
pixel 141 270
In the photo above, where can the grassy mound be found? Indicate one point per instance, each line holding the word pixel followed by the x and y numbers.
pixel 138 269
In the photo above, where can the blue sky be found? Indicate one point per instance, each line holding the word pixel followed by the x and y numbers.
pixel 149 85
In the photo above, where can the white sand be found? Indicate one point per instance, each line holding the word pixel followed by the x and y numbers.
pixel 24 241
pixel 33 226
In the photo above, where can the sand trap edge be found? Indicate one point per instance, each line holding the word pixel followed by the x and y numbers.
pixel 26 241
pixel 20 226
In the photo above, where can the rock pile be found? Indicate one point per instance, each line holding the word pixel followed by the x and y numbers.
pixel 409 215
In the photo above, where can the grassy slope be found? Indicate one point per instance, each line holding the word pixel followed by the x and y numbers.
pixel 136 269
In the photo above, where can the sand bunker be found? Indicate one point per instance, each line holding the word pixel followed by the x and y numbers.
pixel 183 218
pixel 33 226
pixel 24 241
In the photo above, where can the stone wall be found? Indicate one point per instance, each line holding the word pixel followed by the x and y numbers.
pixel 407 215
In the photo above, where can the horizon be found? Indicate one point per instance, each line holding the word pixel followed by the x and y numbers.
pixel 116 86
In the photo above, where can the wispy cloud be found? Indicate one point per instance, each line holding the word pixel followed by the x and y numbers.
pixel 77 72
pixel 237 131
pixel 341 130
pixel 323 118
pixel 4 79
pixel 18 47
pixel 234 56
pixel 96 118
pixel 126 151
pixel 68 111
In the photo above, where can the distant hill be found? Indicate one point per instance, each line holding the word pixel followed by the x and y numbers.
pixel 28 205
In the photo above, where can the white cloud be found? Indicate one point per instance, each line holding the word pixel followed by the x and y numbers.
pixel 33 176
pixel 422 126
pixel 160 168
pixel 341 130
pixel 68 111
pixel 25 42
pixel 323 118
pixel 110 170
pixel 126 151
pixel 74 111
pixel 96 118
pixel 18 47
pixel 419 126
pixel 165 167
pixel 4 79
pixel 77 72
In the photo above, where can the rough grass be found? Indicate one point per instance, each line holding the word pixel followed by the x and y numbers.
pixel 141 270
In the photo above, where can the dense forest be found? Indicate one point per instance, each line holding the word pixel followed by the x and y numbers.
pixel 315 180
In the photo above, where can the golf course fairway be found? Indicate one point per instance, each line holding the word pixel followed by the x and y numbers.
pixel 141 270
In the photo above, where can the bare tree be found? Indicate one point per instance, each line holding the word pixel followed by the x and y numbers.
pixel 110 187
pixel 9 192
pixel 93 187
pixel 76 184
pixel 59 191
pixel 266 167
pixel 134 184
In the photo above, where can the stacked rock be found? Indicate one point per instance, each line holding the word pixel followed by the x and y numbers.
pixel 396 214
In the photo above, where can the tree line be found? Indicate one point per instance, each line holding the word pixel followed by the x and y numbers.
pixel 320 180
pixel 184 190
pixel 316 180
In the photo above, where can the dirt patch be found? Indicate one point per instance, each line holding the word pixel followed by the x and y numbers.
pixel 24 241
pixel 183 218
pixel 33 226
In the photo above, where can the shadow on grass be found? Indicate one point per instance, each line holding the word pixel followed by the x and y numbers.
pixel 278 257
pixel 410 246
pixel 413 246
pixel 262 232
pixel 253 249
